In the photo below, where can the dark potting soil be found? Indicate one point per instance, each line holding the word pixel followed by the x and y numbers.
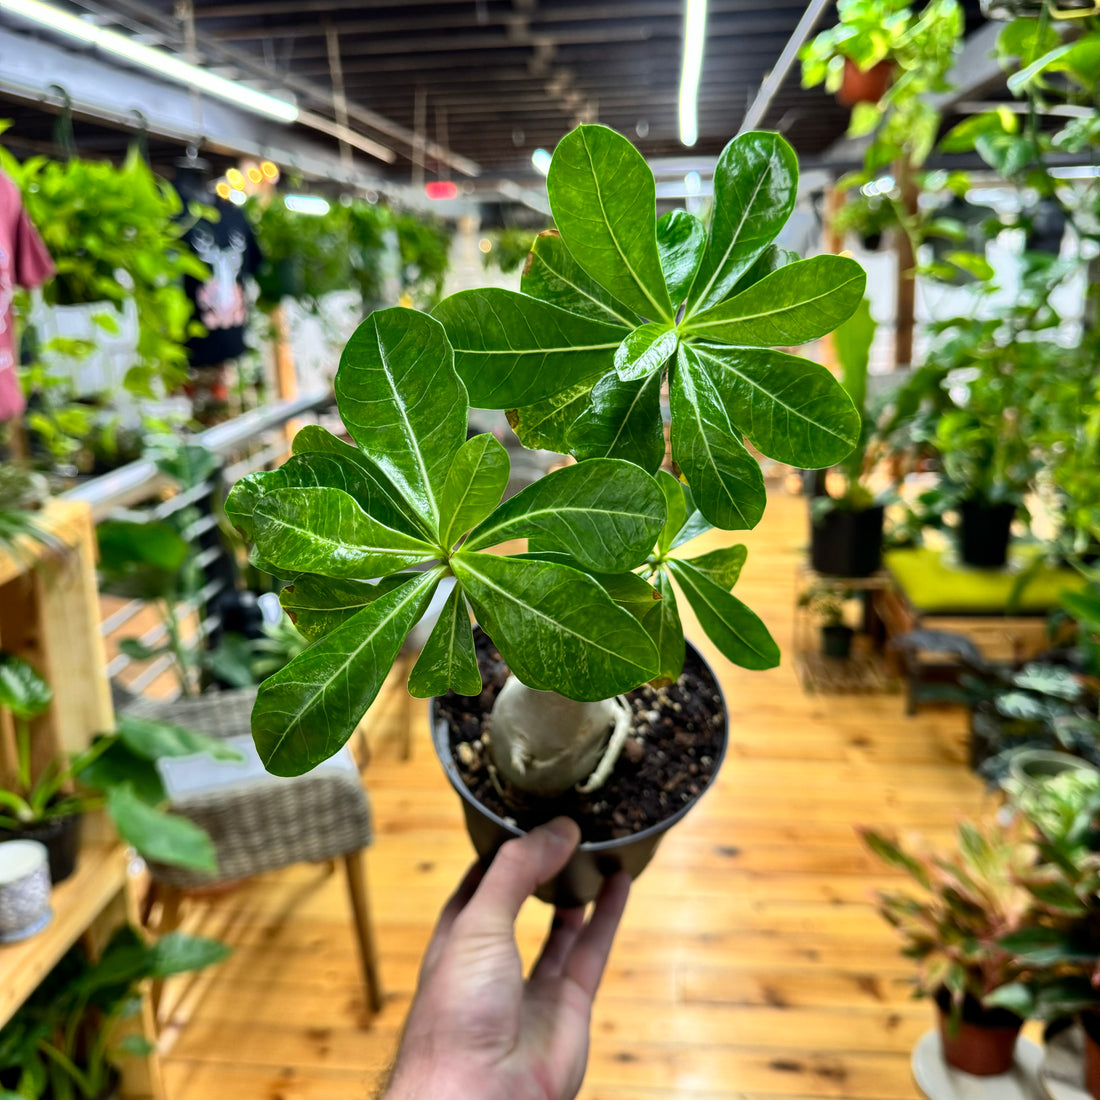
pixel 668 760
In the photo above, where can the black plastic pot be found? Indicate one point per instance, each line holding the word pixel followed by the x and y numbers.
pixel 844 543
pixel 580 880
pixel 836 641
pixel 983 533
pixel 61 835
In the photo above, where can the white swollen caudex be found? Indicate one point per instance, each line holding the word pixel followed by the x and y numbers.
pixel 544 743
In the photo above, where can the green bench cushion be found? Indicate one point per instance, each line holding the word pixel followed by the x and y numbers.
pixel 935 584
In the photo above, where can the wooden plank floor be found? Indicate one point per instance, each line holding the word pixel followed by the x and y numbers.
pixel 750 963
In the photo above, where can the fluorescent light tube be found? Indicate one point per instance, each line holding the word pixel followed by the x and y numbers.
pixel 306 204
pixel 161 62
pixel 540 158
pixel 695 37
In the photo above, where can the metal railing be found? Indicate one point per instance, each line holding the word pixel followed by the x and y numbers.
pixel 138 483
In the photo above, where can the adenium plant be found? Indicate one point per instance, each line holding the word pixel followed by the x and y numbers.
pixel 614 305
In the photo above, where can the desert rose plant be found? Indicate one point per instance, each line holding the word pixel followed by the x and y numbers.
pixel 614 305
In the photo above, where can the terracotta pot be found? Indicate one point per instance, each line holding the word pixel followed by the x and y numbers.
pixel 984 1044
pixel 1090 1024
pixel 864 87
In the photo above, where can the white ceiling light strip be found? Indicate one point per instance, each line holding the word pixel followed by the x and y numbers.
pixel 161 62
pixel 691 70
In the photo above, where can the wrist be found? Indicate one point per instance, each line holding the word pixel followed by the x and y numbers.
pixel 436 1081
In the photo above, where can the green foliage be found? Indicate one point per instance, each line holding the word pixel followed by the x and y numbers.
pixel 510 248
pixel 62 1043
pixel 612 303
pixel 596 320
pixel 921 48
pixel 305 256
pixel 970 899
pixel 425 247
pixel 114 234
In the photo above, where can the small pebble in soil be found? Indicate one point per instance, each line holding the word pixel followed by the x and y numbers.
pixel 666 763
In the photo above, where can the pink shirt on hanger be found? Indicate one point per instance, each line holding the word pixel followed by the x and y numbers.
pixel 24 261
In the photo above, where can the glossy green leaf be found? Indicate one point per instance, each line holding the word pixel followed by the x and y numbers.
pixel 474 486
pixel 545 425
pixel 448 661
pixel 605 513
pixel 794 410
pixel 22 690
pixel 794 305
pixel 245 494
pixel 667 632
pixel 725 480
pixel 755 183
pixel 117 765
pixel 771 259
pixel 556 628
pixel 553 276
pixel 512 350
pixel 737 632
pixel 307 710
pixel 723 566
pixel 630 591
pixel 383 500
pixel 681 238
pixel 318 605
pixel 152 740
pixel 676 512
pixel 645 351
pixel 140 560
pixel 622 420
pixel 324 531
pixel 403 404
pixel 603 199
pixel 160 837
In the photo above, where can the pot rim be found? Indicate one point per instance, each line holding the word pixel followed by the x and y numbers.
pixel 450 769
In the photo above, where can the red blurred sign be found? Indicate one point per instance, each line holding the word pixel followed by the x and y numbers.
pixel 441 189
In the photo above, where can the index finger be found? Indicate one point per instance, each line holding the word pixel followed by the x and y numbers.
pixel 518 869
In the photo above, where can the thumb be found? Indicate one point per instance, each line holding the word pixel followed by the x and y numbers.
pixel 517 871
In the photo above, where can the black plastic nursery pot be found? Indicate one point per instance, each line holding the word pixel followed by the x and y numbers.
pixel 61 835
pixel 580 880
pixel 836 641
pixel 845 543
pixel 983 533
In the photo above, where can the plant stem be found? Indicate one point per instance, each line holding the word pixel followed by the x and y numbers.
pixel 23 753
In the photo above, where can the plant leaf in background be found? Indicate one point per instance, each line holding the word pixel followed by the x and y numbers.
pixel 22 690
pixel 160 837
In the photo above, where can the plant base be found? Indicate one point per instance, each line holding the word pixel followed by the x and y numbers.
pixel 61 835
pixel 864 87
pixel 984 531
pixel 985 1042
pixel 664 768
pixel 836 641
pixel 847 544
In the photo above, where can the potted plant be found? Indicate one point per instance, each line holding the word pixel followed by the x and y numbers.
pixel 117 773
pixel 1059 947
pixel 826 604
pixel 970 900
pixel 610 302
pixel 64 1043
pixel 846 531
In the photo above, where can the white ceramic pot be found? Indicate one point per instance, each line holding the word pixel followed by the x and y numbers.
pixel 24 889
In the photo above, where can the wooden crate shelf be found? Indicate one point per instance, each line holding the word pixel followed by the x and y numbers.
pixel 49 616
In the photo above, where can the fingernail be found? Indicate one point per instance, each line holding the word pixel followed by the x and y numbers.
pixel 565 829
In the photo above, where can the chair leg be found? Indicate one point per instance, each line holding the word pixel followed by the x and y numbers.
pixel 364 930
pixel 171 904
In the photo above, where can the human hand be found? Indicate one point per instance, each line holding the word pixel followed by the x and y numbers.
pixel 476 1028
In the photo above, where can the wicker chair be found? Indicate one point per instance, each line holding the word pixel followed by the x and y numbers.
pixel 260 822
